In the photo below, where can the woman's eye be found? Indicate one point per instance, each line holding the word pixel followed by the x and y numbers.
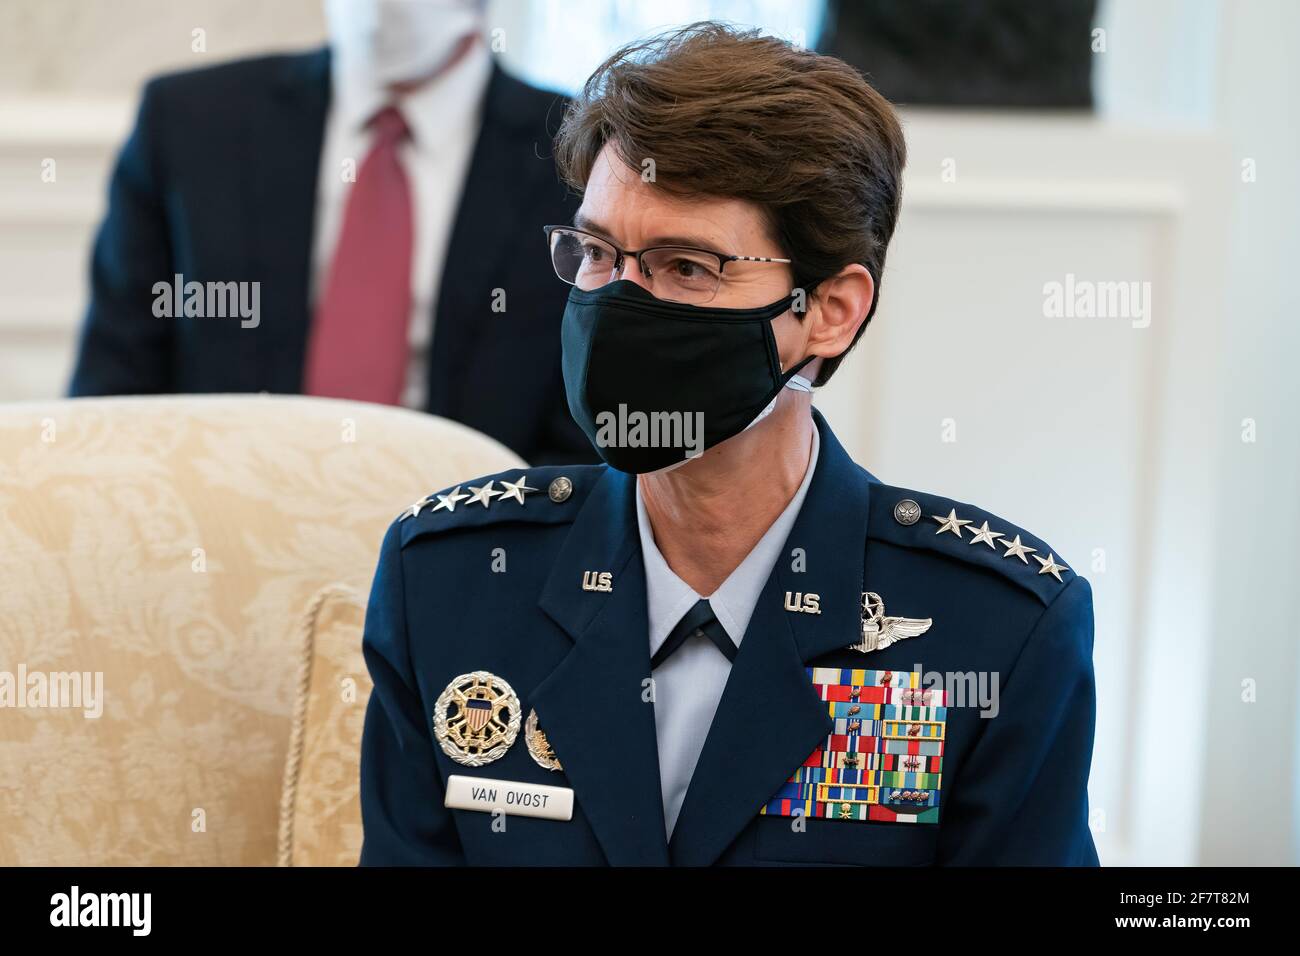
pixel 688 269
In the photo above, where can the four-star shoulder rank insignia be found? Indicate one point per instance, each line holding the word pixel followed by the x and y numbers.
pixel 559 490
pixel 906 510
pixel 878 631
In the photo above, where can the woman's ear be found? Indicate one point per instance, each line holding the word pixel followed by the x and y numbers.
pixel 839 309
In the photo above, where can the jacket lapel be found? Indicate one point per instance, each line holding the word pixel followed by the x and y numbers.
pixel 285 135
pixel 504 178
pixel 591 706
pixel 769 719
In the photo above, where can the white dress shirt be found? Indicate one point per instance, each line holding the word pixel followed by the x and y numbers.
pixel 689 684
pixel 443 116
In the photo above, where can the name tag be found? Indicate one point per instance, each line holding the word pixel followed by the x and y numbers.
pixel 515 798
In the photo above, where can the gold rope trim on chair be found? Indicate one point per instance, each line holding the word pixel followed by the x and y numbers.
pixel 297 734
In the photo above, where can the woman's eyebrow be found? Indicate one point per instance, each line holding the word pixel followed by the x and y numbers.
pixel 694 242
pixel 588 224
pixel 581 221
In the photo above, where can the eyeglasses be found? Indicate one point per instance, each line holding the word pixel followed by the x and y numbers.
pixel 675 273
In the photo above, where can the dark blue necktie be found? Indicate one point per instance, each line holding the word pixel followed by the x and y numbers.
pixel 699 621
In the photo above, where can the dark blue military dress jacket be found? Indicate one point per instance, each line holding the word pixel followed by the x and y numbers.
pixel 819 753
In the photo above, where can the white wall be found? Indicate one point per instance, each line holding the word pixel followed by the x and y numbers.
pixel 1254 747
pixel 106 48
pixel 1087 431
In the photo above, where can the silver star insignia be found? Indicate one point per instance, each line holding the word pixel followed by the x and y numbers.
pixel 982 533
pixel 482 496
pixel 1017 549
pixel 515 489
pixel 1050 566
pixel 449 501
pixel 951 523
pixel 878 631
pixel 414 510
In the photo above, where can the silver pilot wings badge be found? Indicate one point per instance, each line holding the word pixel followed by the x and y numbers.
pixel 878 631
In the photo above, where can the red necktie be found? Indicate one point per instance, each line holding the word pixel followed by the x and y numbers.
pixel 358 347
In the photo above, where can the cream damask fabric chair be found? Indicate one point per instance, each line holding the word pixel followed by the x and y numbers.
pixel 187 552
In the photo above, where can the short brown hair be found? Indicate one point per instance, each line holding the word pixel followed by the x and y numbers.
pixel 726 112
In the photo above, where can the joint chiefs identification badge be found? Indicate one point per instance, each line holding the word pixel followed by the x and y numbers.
pixel 476 718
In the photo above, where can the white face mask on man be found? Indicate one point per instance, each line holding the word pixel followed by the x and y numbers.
pixel 399 41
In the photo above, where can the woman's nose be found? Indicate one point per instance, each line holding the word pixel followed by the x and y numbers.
pixel 632 272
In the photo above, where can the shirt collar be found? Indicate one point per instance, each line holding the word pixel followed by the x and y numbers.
pixel 443 106
pixel 668 597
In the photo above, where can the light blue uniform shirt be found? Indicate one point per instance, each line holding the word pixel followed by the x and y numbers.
pixel 689 684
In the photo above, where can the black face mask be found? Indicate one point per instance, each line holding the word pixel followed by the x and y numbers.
pixel 653 383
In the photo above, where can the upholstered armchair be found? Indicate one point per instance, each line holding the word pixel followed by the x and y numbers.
pixel 186 579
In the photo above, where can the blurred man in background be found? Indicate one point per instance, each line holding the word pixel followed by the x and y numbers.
pixel 377 203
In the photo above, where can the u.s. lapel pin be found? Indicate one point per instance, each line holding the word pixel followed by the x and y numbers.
pixel 602 581
pixel 800 602
pixel 878 631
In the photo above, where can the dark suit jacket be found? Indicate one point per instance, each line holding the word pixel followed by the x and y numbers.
pixel 218 183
